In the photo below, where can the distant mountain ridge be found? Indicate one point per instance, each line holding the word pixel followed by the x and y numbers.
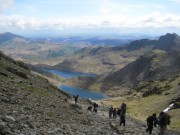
pixel 30 50
pixel 51 49
pixel 105 59
pixel 160 63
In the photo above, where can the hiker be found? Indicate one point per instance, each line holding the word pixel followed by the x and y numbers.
pixel 122 112
pixel 164 120
pixel 150 122
pixel 95 107
pixel 65 99
pixel 89 108
pixel 114 113
pixel 76 98
pixel 110 111
pixel 156 121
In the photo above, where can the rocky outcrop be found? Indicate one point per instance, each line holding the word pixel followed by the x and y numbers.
pixel 176 102
pixel 16 72
pixel 168 42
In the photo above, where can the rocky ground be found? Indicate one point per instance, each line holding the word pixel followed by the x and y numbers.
pixel 47 116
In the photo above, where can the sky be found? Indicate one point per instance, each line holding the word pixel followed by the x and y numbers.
pixel 53 17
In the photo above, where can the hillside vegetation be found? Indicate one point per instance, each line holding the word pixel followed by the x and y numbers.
pixel 153 97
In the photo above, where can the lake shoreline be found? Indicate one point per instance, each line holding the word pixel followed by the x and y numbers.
pixel 74 90
pixel 83 93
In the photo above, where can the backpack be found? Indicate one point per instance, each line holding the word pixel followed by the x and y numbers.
pixel 164 119
pixel 119 111
pixel 168 119
pixel 150 119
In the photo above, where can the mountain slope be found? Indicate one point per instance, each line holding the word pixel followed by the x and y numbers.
pixel 156 65
pixel 31 105
pixel 151 97
pixel 105 59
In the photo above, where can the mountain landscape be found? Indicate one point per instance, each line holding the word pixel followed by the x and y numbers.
pixel 102 60
pixel 31 105
pixel 32 51
pixel 155 64
pixel 144 73
pixel 89 67
pixel 153 78
pixel 159 64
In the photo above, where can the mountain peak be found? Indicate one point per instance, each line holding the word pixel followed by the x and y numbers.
pixel 169 35
pixel 7 33
pixel 168 42
pixel 7 36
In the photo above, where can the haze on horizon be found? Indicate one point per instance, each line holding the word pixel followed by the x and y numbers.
pixel 58 17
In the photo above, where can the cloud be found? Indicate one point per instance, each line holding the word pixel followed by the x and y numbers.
pixel 5 4
pixel 105 10
pixel 18 22
pixel 154 21
pixel 176 1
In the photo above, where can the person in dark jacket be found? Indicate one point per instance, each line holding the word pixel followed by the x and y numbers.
pixel 89 108
pixel 164 120
pixel 76 98
pixel 150 122
pixel 114 113
pixel 110 111
pixel 95 105
pixel 122 113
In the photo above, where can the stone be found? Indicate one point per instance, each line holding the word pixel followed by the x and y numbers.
pixel 30 125
pixel 2 128
pixel 8 119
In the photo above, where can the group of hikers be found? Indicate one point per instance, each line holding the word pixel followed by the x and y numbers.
pixel 152 121
pixel 90 108
pixel 162 121
pixel 94 108
pixel 113 112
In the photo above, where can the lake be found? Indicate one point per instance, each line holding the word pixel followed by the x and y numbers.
pixel 66 74
pixel 85 93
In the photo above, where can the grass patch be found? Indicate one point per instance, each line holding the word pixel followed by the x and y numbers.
pixel 34 89
pixel 141 107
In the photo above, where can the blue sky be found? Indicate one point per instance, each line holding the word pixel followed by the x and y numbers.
pixel 89 16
